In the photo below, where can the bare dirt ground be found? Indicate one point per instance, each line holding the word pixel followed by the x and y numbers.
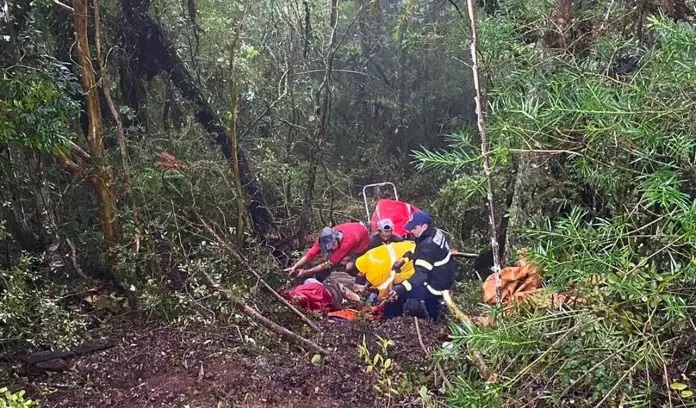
pixel 163 366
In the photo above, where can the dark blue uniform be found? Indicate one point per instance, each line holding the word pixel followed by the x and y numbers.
pixel 434 273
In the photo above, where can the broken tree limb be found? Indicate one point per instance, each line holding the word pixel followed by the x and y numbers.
pixel 469 255
pixel 41 356
pixel 474 355
pixel 244 262
pixel 243 307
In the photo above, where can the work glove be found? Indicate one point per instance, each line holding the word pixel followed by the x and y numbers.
pixel 396 292
pixel 396 267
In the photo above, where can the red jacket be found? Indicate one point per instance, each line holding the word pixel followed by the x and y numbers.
pixel 311 296
pixel 355 241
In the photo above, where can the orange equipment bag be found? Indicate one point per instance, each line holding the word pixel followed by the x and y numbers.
pixel 372 313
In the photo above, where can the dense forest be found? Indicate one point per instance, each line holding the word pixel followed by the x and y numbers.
pixel 162 162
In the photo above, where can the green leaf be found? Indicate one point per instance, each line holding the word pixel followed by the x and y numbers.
pixel 687 394
pixel 677 386
pixel 387 363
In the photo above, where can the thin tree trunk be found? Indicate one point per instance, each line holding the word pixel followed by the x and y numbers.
pixel 474 355
pixel 24 236
pixel 101 177
pixel 234 99
pixel 120 136
pixel 485 151
pixel 323 108
pixel 401 78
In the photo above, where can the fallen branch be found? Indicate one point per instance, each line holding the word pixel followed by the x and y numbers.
pixel 469 255
pixel 243 307
pixel 244 262
pixel 42 356
pixel 63 5
pixel 73 259
pixel 475 356
pixel 427 354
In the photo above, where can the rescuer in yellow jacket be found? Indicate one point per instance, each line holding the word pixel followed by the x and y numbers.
pixel 376 265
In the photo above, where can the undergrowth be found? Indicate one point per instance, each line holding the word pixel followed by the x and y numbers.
pixel 619 149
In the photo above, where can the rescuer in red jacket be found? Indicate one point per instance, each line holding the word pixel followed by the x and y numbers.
pixel 343 243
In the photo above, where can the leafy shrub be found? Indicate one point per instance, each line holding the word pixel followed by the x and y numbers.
pixel 32 309
pixel 15 400
pixel 624 241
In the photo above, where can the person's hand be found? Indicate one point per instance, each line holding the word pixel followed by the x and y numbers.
pixel 398 264
pixel 302 273
pixel 396 292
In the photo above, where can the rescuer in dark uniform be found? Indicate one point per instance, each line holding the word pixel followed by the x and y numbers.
pixel 421 294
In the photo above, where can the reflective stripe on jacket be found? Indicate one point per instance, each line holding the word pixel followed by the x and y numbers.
pixel 432 259
pixel 376 265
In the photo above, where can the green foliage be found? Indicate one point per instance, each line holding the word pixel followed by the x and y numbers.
pixel 623 241
pixel 35 110
pixel 33 310
pixel 9 399
pixel 380 364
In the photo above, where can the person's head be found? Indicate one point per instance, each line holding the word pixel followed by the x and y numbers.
pixel 419 222
pixel 386 228
pixel 336 291
pixel 328 240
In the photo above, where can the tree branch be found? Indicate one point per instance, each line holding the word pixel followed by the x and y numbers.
pixel 233 136
pixel 74 169
pixel 243 307
pixel 474 355
pixel 245 263
pixel 63 5
pixel 452 2
pixel 427 354
pixel 78 150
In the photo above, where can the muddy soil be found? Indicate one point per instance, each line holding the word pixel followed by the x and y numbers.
pixel 164 366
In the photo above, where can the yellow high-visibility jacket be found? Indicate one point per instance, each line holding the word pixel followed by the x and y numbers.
pixel 376 265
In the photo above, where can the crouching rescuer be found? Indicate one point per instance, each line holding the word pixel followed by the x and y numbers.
pixel 342 244
pixel 376 266
pixel 421 294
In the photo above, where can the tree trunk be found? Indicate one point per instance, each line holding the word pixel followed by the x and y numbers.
pixel 120 134
pixel 155 54
pixel 323 110
pixel 485 152
pixel 100 177
pixel 233 136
